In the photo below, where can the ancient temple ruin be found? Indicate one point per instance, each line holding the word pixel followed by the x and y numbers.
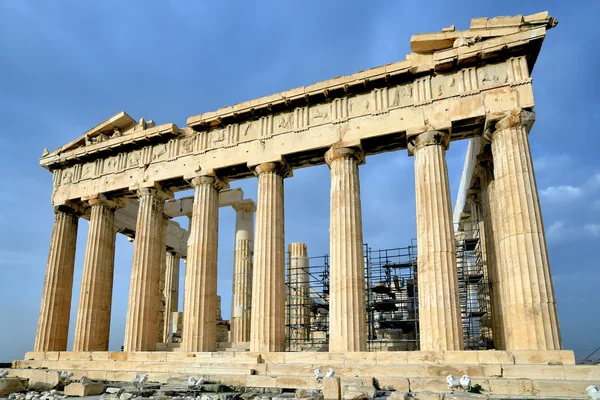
pixel 123 176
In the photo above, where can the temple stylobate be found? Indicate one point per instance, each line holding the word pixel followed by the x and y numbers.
pixel 123 176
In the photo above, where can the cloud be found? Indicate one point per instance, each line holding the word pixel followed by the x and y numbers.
pixel 562 192
pixel 593 229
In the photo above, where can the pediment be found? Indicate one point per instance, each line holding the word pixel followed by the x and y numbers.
pixel 116 131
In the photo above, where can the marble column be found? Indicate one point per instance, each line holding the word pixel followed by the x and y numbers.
pixel 529 304
pixel 267 322
pixel 299 296
pixel 144 295
pixel 347 308
pixel 53 323
pixel 489 216
pixel 241 299
pixel 440 321
pixel 92 328
pixel 200 313
pixel 171 293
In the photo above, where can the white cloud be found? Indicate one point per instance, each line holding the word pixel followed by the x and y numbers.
pixel 593 229
pixel 562 192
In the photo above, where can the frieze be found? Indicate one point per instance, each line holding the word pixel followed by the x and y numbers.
pixel 377 101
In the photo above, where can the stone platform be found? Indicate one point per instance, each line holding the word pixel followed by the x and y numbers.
pixel 500 373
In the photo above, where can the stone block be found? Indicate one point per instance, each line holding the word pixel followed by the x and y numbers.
pixel 360 357
pixel 391 357
pixel 533 372
pixel 427 395
pixel 117 356
pixel 78 389
pixel 10 385
pixel 368 391
pixel 479 23
pixel 261 381
pixel 495 357
pixel 428 385
pixel 293 382
pixel 100 356
pixel 331 388
pixel 582 372
pixel 560 389
pixel 512 387
pixel 75 356
pixel 460 395
pixel 553 357
pixel 393 383
pixel 41 380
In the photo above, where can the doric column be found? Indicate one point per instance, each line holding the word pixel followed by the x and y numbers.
pixel 267 323
pixel 144 296
pixel 92 328
pixel 53 323
pixel 200 313
pixel 489 215
pixel 171 293
pixel 298 277
pixel 347 308
pixel 242 271
pixel 440 321
pixel 529 305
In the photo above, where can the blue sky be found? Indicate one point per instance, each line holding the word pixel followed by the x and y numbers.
pixel 67 65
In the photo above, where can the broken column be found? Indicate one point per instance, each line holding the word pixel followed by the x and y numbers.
pixel 440 321
pixel 53 323
pixel 92 328
pixel 241 298
pixel 299 295
pixel 171 292
pixel 200 313
pixel 347 308
pixel 267 327
pixel 529 305
pixel 142 311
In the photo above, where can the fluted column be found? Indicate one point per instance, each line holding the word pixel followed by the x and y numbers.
pixel 171 292
pixel 92 328
pixel 440 323
pixel 200 313
pixel 299 292
pixel 489 215
pixel 241 299
pixel 529 305
pixel 267 323
pixel 144 295
pixel 347 308
pixel 53 323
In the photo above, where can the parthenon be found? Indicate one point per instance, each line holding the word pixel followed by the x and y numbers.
pixel 123 176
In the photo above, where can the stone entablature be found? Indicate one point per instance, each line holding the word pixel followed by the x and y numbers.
pixel 377 107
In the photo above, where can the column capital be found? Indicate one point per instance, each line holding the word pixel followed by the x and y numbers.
pixel 515 118
pixel 209 178
pixel 244 205
pixel 159 193
pixel 338 151
pixel 429 138
pixel 71 207
pixel 473 197
pixel 100 199
pixel 279 167
pixel 484 163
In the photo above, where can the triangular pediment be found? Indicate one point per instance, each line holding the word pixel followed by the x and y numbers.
pixel 110 134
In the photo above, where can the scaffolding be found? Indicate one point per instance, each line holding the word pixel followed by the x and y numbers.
pixel 307 305
pixel 392 304
pixel 391 294
pixel 474 290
